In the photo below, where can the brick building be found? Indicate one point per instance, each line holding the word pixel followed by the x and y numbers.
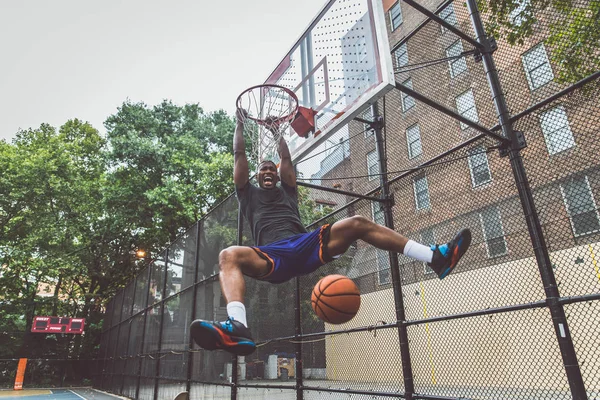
pixel 475 187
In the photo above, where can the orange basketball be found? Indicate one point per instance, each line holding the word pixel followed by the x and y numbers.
pixel 335 299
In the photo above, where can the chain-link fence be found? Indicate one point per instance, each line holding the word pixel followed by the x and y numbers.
pixel 519 318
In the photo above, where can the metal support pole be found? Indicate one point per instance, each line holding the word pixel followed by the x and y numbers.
pixel 112 377
pixel 342 192
pixel 297 338
pixel 162 321
pixel 407 373
pixel 444 23
pixel 190 358
pixel 129 328
pixel 559 320
pixel 451 113
pixel 234 363
pixel 137 389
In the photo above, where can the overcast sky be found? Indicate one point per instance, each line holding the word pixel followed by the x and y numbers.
pixel 65 59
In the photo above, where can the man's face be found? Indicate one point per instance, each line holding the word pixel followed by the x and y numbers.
pixel 267 175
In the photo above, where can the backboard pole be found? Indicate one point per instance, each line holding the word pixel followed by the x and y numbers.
pixel 407 373
pixel 441 21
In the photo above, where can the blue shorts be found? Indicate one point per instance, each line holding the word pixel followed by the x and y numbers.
pixel 297 255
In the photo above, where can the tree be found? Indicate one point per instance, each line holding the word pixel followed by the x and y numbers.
pixel 574 36
pixel 49 185
pixel 168 165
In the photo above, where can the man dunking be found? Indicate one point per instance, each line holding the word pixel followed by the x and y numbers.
pixel 285 250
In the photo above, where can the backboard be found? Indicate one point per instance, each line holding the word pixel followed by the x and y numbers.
pixel 340 65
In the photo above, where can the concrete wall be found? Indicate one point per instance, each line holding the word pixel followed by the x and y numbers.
pixel 490 351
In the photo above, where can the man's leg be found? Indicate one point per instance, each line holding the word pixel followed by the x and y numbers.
pixel 231 335
pixel 234 263
pixel 345 232
pixel 442 258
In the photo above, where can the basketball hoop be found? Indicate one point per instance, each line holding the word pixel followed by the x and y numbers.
pixel 270 111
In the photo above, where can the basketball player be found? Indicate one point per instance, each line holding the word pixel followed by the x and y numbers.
pixel 284 249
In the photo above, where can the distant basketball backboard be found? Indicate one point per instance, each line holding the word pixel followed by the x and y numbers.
pixel 340 65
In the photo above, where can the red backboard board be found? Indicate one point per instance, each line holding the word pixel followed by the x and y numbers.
pixel 58 325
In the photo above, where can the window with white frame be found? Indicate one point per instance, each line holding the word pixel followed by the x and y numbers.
pixel 427 238
pixel 383 258
pixel 465 104
pixel 521 13
pixel 395 16
pixel 457 65
pixel 479 166
pixel 537 67
pixel 556 130
pixel 367 115
pixel 448 15
pixel 493 232
pixel 372 165
pixel 413 141
pixel 407 101
pixel 421 193
pixel 402 55
pixel 581 206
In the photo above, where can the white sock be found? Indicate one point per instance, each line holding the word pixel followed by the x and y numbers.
pixel 418 251
pixel 237 311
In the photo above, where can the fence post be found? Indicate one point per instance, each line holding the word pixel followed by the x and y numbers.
pixel 190 359
pixel 112 375
pixel 137 389
pixel 298 336
pixel 162 320
pixel 234 363
pixel 407 373
pixel 559 320
pixel 129 329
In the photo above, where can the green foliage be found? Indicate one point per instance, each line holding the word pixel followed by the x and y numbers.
pixel 74 206
pixel 48 186
pixel 309 213
pixel 575 40
pixel 574 34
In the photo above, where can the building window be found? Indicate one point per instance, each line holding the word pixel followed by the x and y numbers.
pixel 479 167
pixel 402 55
pixel 537 67
pixel 556 130
pixel 581 206
pixel 372 165
pixel 413 140
pixel 465 104
pixel 457 65
pixel 367 115
pixel 407 101
pixel 521 13
pixel 395 16
pixel 493 232
pixel 421 193
pixel 448 15
pixel 427 238
pixel 383 258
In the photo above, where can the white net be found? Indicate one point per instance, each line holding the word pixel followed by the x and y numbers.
pixel 267 113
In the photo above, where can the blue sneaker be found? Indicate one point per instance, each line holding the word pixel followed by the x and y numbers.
pixel 446 256
pixel 230 335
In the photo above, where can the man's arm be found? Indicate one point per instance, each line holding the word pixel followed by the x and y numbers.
pixel 240 162
pixel 286 168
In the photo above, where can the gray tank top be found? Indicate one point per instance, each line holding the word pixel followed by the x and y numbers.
pixel 272 213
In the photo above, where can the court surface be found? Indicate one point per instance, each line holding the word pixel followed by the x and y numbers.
pixel 58 394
